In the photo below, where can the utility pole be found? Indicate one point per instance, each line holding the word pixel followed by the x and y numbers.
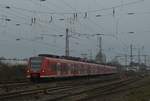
pixel 99 37
pixel 139 56
pixel 145 59
pixel 148 59
pixel 84 55
pixel 91 54
pixel 67 43
pixel 125 59
pixel 131 54
pixel 100 44
pixel 100 58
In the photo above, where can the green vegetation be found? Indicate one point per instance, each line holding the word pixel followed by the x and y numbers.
pixel 11 72
pixel 140 94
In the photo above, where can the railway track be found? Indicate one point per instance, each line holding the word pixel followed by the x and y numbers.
pixel 81 93
pixel 71 90
pixel 13 81
pixel 108 89
pixel 48 88
pixel 11 85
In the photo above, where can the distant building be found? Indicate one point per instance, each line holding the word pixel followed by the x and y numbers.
pixel 133 68
pixel 13 61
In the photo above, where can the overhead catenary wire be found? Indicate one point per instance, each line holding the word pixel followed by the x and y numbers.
pixel 30 40
pixel 51 16
pixel 34 39
pixel 7 7
pixel 17 37
pixel 14 10
pixel 67 4
pixel 114 10
pixel 78 12
pixel 22 17
pixel 77 17
pixel 117 6
pixel 44 24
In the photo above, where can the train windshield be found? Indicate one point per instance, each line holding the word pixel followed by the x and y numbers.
pixel 36 63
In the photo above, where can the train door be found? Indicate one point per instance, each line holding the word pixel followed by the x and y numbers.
pixel 53 68
pixel 72 69
pixel 69 69
pixel 63 69
pixel 58 65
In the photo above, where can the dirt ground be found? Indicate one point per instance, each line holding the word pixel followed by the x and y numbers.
pixel 138 91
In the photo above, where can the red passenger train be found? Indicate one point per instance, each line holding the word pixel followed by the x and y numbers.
pixel 49 66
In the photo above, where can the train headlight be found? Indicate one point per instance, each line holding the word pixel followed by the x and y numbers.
pixel 28 71
pixel 43 71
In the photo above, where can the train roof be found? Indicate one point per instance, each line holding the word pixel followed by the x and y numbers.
pixel 74 59
pixel 68 58
pixel 82 62
pixel 71 59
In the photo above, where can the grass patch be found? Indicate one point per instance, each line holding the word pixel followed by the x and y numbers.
pixel 139 94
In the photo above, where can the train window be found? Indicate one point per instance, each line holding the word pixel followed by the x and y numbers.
pixel 67 68
pixel 75 68
pixel 58 66
pixel 80 68
pixel 72 68
pixel 88 69
pixel 36 62
pixel 53 67
pixel 83 70
pixel 64 68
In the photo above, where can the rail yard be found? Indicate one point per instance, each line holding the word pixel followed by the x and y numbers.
pixel 81 89
pixel 55 78
pixel 74 50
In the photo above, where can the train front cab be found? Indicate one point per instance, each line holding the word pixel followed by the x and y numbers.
pixel 35 67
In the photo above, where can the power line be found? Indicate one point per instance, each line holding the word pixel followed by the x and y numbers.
pixel 65 12
pixel 118 6
pixel 97 25
pixel 24 18
pixel 68 5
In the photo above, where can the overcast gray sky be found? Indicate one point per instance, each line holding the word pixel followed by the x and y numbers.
pixel 21 37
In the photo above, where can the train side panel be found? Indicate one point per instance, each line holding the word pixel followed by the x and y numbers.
pixel 51 67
